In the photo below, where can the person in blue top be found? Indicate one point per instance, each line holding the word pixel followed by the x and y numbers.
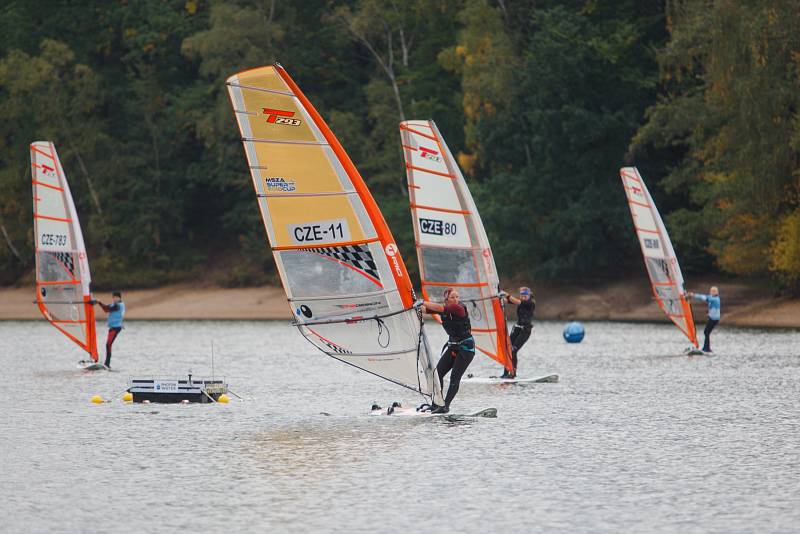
pixel 116 312
pixel 713 313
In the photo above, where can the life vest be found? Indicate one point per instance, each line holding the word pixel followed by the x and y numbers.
pixel 457 328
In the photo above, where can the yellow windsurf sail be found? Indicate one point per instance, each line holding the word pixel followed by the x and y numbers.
pixel 62 268
pixel 346 283
pixel 452 247
pixel 660 260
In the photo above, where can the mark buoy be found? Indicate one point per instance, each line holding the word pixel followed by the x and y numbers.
pixel 97 399
pixel 224 399
pixel 574 332
pixel 127 397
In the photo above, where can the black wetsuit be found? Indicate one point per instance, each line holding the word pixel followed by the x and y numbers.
pixel 459 350
pixel 522 330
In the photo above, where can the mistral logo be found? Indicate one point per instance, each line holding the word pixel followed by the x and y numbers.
pixel 392 252
pixel 279 116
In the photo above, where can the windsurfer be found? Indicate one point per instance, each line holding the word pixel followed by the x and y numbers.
pixel 459 349
pixel 116 312
pixel 521 332
pixel 712 299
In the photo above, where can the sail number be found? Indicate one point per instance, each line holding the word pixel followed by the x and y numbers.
pixel 53 240
pixel 324 231
pixel 437 227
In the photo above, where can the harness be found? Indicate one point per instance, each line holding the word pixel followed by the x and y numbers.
pixel 466 345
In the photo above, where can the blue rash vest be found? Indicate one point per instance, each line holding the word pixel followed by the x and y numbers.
pixel 713 305
pixel 115 315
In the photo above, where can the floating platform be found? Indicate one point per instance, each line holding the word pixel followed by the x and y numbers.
pixel 176 390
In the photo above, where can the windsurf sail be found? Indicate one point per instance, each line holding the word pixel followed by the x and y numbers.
pixel 452 247
pixel 62 268
pixel 659 256
pixel 345 280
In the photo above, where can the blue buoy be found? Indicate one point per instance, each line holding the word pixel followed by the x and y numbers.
pixel 574 332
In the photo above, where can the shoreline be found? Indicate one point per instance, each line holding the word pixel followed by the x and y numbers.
pixel 742 305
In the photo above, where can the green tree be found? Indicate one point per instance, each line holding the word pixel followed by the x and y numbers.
pixel 54 97
pixel 549 156
pixel 729 102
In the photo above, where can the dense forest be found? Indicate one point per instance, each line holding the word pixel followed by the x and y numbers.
pixel 542 101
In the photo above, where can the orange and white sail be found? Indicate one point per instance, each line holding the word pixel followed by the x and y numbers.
pixel 343 275
pixel 452 247
pixel 62 268
pixel 659 256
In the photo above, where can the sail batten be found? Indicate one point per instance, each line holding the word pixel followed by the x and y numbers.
pixel 345 281
pixel 661 263
pixel 452 247
pixel 63 281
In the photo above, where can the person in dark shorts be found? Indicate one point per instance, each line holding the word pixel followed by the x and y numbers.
pixel 526 305
pixel 459 350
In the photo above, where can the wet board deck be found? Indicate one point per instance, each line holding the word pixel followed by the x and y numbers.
pixel 497 380
pixel 412 412
pixel 94 367
pixel 696 352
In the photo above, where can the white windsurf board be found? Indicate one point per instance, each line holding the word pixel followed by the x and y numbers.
pixel 518 380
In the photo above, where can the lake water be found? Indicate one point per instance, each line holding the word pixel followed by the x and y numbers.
pixel 634 438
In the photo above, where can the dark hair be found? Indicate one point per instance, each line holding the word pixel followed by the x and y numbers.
pixel 116 294
pixel 446 293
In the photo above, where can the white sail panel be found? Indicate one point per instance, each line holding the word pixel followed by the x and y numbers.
pixel 660 260
pixel 340 267
pixel 62 267
pixel 452 246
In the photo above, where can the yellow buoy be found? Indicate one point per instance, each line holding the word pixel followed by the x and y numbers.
pixel 127 397
pixel 97 399
pixel 223 399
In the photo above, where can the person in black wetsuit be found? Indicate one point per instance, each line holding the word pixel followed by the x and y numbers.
pixel 459 350
pixel 522 330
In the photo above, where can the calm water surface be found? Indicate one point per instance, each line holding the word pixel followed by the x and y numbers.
pixel 633 438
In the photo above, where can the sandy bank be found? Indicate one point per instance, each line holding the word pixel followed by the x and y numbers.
pixel 743 305
pixel 171 302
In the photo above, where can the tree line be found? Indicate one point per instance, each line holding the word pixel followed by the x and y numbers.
pixel 541 100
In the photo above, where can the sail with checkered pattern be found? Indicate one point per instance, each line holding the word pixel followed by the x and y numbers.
pixel 452 247
pixel 62 268
pixel 346 282
pixel 660 260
